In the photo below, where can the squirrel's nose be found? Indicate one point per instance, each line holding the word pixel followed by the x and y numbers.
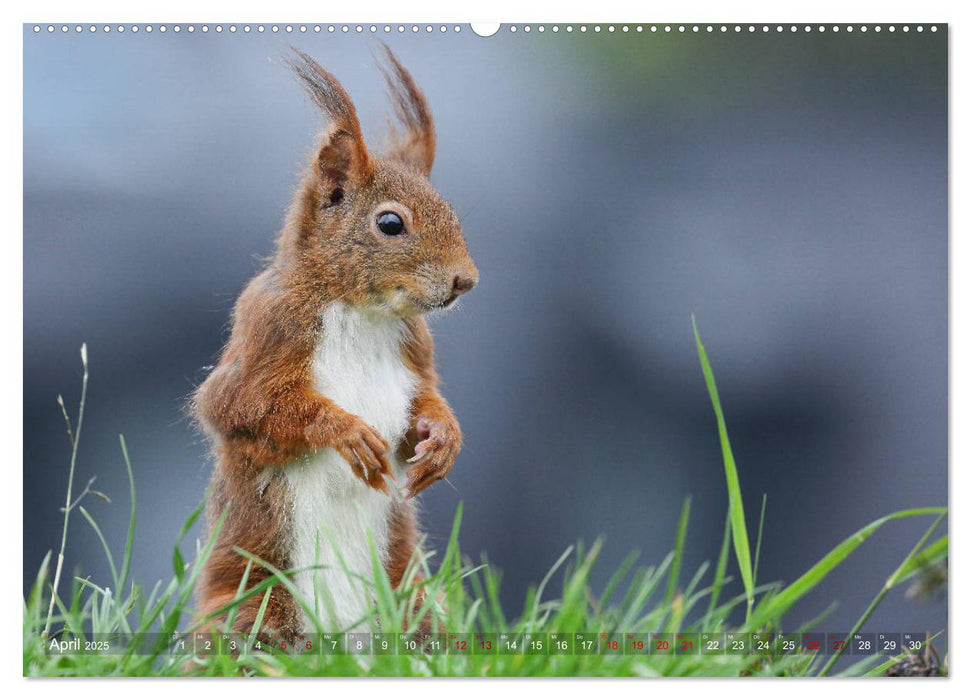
pixel 462 284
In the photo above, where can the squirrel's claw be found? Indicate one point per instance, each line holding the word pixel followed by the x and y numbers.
pixel 368 461
pixel 434 456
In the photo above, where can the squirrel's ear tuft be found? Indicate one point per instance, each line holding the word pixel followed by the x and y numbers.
pixel 343 157
pixel 416 146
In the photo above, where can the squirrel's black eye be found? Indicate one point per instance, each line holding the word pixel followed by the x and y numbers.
pixel 390 224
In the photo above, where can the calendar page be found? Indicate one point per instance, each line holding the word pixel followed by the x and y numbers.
pixel 485 350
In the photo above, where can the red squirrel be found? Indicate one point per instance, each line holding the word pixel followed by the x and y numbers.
pixel 324 409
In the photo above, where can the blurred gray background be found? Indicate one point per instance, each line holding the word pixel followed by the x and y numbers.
pixel 790 190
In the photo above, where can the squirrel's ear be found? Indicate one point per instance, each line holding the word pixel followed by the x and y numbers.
pixel 343 157
pixel 416 146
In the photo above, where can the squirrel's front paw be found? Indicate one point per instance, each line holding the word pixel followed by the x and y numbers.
pixel 435 454
pixel 362 447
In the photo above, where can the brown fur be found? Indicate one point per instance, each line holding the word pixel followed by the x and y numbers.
pixel 259 406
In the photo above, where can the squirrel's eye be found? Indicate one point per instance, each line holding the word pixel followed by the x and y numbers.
pixel 390 224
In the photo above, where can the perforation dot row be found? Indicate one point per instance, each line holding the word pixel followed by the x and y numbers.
pixel 428 28
pixel 713 28
pixel 247 29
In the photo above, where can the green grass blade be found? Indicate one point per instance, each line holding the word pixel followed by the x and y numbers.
pixel 758 541
pixel 574 608
pixel 546 579
pixel 883 667
pixel 929 556
pixel 696 579
pixel 616 578
pixel 323 598
pixel 860 668
pixel 814 623
pixel 190 521
pixel 104 545
pixel 643 589
pixel 178 562
pixel 231 617
pixel 773 608
pixel 451 565
pixel 260 614
pixel 491 579
pixel 452 557
pixel 723 610
pixel 720 568
pixel 130 537
pixel 384 594
pixel 736 508
pixel 912 559
pixel 72 622
pixel 34 603
pixel 675 571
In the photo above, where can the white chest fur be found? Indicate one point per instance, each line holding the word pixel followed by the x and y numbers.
pixel 359 366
